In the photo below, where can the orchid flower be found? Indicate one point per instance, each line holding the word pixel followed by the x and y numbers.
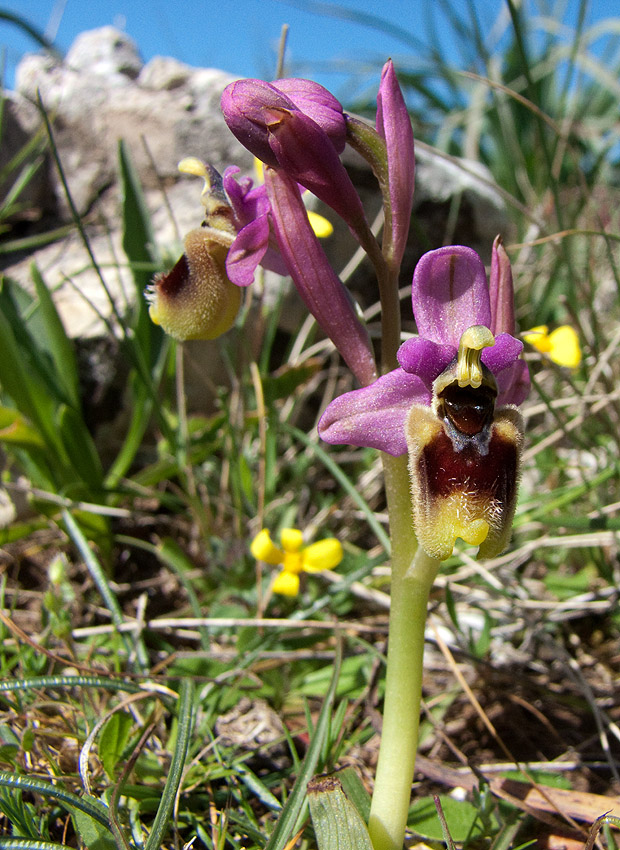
pixel 294 557
pixel 451 405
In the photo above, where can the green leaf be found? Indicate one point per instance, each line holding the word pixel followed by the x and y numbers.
pixel 15 430
pixel 20 375
pixel 139 247
pixel 93 834
pixel 461 817
pixel 177 765
pixel 80 446
pixel 113 741
pixel 285 827
pixel 88 805
pixel 355 791
pixel 337 823
pixel 58 343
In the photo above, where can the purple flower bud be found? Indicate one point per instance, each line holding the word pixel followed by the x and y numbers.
pixel 394 126
pixel 248 107
pixel 319 104
pixel 305 152
pixel 244 105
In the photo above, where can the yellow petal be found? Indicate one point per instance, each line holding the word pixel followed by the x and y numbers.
pixel 292 539
pixel 323 555
pixel 564 347
pixel 322 227
pixel 287 584
pixel 263 549
pixel 539 338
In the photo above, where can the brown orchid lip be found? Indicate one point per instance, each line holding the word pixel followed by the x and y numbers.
pixel 493 476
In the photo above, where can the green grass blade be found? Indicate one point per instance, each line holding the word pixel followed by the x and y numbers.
pixel 179 757
pixel 139 247
pixel 29 844
pixel 89 805
pixel 80 446
pixel 59 345
pixel 103 585
pixel 37 682
pixel 291 812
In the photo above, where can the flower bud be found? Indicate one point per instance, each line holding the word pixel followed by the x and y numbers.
pixel 196 300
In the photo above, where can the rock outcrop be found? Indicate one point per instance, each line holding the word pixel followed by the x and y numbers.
pixel 164 110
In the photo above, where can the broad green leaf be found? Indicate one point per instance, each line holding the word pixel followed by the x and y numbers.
pixel 15 430
pixel 113 740
pixel 355 791
pixel 139 247
pixel 19 376
pixel 80 446
pixel 461 817
pixel 292 811
pixel 57 342
pixel 93 834
pixel 337 823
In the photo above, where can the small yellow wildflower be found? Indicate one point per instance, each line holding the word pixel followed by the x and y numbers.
pixel 561 345
pixel 295 557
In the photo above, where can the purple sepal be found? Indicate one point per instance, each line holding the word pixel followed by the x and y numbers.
pixel 513 384
pixel 375 416
pixel 305 152
pixel 501 291
pixel 425 358
pixel 450 294
pixel 321 289
pixel 244 103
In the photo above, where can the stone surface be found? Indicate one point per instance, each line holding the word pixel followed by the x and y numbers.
pixel 165 110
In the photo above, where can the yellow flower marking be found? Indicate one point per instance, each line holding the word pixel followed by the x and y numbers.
pixel 294 557
pixel 561 345
pixel 468 368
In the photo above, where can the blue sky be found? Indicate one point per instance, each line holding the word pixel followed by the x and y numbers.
pixel 242 36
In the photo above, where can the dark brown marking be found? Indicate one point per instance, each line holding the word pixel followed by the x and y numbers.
pixel 172 283
pixel 493 475
pixel 469 410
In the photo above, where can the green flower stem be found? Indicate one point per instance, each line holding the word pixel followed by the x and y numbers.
pixel 413 573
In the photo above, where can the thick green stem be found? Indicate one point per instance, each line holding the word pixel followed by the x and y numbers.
pixel 413 573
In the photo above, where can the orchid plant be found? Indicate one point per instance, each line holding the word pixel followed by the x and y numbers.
pixel 442 407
